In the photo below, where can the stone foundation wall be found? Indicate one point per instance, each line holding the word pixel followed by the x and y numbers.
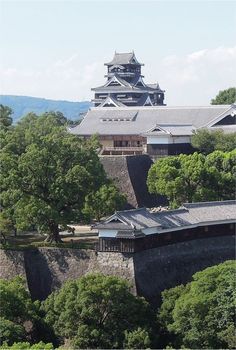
pixel 167 266
pixel 149 272
pixel 46 269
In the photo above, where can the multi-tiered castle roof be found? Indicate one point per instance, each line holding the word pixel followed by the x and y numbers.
pixel 125 85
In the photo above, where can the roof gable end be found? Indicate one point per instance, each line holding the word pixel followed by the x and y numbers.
pixel 231 110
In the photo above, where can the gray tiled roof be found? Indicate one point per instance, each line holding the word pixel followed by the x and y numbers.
pixel 114 225
pixel 131 219
pixel 121 58
pixel 175 129
pixel 112 99
pixel 197 213
pixel 140 218
pixel 126 88
pixel 226 128
pixel 146 118
pixel 191 214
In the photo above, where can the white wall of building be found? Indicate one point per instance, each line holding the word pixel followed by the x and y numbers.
pixel 155 140
pixel 107 233
pixel 160 140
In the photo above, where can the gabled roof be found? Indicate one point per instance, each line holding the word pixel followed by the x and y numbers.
pixel 123 58
pixel 191 214
pixel 130 219
pixel 116 78
pixel 171 129
pixel 111 101
pixel 231 110
pixel 145 100
pixel 138 79
pixel 145 119
pixel 117 66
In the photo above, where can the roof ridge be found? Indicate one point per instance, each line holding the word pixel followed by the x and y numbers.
pixel 169 107
pixel 210 203
pixel 129 210
pixel 170 211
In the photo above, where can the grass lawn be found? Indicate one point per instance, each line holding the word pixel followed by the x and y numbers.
pixel 82 239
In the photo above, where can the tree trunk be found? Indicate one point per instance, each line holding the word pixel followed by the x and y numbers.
pixel 4 238
pixel 54 235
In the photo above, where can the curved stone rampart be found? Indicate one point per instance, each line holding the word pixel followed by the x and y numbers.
pixel 168 266
pixel 149 272
pixel 129 173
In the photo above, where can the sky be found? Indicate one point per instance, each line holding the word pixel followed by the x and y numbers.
pixel 57 49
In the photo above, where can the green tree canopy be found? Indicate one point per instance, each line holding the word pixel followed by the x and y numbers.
pixel 104 201
pixel 95 311
pixel 46 174
pixel 16 308
pixel 202 314
pixel 27 346
pixel 207 141
pixel 137 339
pixel 225 97
pixel 195 177
pixel 5 116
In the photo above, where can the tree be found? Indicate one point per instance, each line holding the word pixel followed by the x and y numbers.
pixel 20 317
pixel 207 141
pixel 194 177
pixel 103 202
pixel 6 224
pixel 5 116
pixel 46 173
pixel 225 97
pixel 11 331
pixel 223 167
pixel 95 311
pixel 201 314
pixel 27 346
pixel 16 308
pixel 137 339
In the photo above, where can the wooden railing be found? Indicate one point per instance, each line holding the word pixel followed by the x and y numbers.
pixel 120 149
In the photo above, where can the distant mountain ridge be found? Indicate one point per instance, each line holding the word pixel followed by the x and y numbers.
pixel 21 105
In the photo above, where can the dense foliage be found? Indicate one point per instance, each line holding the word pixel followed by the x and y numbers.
pixel 104 201
pixel 20 317
pixel 207 141
pixel 5 116
pixel 99 311
pixel 201 315
pixel 225 97
pixel 195 177
pixel 27 346
pixel 47 174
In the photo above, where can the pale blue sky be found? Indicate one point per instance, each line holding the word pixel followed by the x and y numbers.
pixel 56 49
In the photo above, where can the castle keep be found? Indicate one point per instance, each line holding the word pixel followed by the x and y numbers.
pixel 125 85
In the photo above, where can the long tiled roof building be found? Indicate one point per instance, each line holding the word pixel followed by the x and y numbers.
pixel 140 229
pixel 125 85
pixel 154 130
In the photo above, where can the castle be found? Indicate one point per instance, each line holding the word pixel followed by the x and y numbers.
pixel 130 117
pixel 125 85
